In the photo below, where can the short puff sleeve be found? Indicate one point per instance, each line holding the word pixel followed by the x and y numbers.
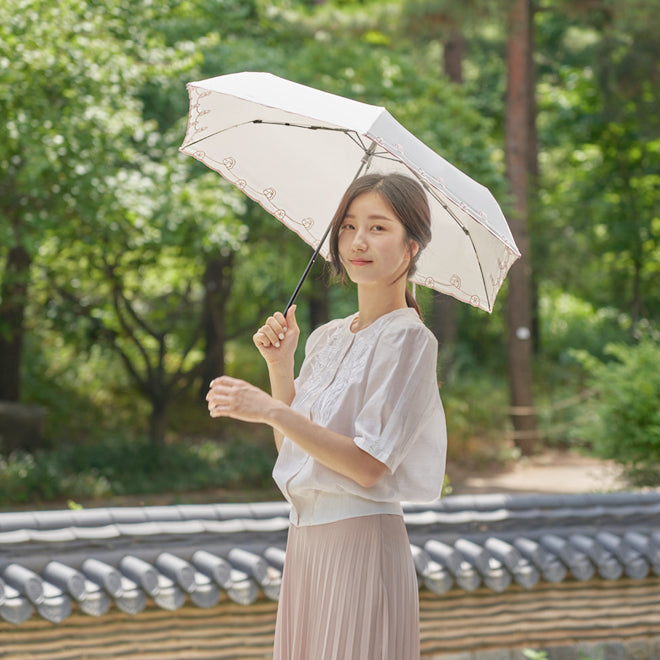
pixel 401 400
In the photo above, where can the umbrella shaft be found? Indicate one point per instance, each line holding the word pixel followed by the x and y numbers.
pixel 364 164
pixel 306 272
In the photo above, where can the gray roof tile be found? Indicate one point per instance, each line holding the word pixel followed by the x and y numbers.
pixel 576 561
pixel 168 596
pixel 15 608
pixel 65 577
pixel 132 599
pixel 432 574
pixel 108 577
pixel 463 572
pixel 94 559
pixel 25 581
pixel 206 593
pixel 95 601
pixel 520 568
pixel 55 606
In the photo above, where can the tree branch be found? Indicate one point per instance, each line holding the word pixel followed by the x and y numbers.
pixel 107 333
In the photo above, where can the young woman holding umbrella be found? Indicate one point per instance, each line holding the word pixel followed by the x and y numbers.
pixel 359 431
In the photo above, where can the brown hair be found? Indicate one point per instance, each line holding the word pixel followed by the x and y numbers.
pixel 410 205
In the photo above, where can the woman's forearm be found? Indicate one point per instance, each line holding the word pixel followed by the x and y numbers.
pixel 282 389
pixel 232 397
pixel 334 450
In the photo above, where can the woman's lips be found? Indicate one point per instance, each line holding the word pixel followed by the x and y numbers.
pixel 360 262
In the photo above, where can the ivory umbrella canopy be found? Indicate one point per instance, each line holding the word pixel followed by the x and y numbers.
pixel 295 149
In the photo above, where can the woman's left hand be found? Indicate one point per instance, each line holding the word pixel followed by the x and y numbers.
pixel 231 397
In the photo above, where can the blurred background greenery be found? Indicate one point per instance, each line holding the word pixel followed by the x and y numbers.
pixel 130 274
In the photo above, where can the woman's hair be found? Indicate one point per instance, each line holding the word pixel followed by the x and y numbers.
pixel 410 205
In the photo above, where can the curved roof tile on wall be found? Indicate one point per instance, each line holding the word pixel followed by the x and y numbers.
pixel 95 559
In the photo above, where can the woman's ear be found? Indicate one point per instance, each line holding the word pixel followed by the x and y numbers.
pixel 414 249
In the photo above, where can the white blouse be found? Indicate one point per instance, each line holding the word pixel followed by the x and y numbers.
pixel 379 387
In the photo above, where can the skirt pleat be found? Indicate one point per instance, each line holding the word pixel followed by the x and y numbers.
pixel 349 592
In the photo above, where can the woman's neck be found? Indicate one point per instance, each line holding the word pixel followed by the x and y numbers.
pixel 374 304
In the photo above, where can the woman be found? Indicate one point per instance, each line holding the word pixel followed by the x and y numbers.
pixel 359 431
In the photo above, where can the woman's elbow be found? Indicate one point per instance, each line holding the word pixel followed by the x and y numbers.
pixel 372 473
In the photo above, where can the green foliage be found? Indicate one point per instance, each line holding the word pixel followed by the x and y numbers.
pixel 541 654
pixel 123 466
pixel 476 406
pixel 93 105
pixel 86 392
pixel 569 323
pixel 533 654
pixel 624 420
pixel 598 121
pixel 117 230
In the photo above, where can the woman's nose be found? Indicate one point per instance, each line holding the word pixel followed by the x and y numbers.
pixel 359 241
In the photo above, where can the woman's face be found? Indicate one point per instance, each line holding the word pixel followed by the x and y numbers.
pixel 373 245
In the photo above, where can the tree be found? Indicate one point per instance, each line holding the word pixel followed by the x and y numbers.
pixel 142 294
pixel 83 188
pixel 622 181
pixel 519 138
pixel 71 119
pixel 600 126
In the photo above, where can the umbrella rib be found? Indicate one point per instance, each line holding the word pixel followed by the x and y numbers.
pixel 222 130
pixel 269 123
pixel 465 230
pixel 353 135
pixel 385 155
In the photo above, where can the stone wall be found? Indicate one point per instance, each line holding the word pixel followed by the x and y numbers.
pixel 595 620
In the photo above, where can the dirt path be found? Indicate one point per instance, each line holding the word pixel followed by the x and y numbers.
pixel 550 472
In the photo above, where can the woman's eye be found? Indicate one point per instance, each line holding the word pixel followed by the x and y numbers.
pixel 347 225
pixel 378 228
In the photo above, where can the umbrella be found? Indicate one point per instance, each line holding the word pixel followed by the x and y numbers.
pixel 295 149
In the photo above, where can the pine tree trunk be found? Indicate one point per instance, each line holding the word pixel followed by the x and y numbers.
pixel 519 305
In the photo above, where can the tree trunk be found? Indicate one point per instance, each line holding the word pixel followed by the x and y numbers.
pixel 319 307
pixel 533 171
pixel 13 299
pixel 158 421
pixel 454 52
pixel 217 285
pixel 444 325
pixel 518 139
pixel 637 305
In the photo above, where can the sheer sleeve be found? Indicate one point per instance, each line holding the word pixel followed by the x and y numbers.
pixel 402 407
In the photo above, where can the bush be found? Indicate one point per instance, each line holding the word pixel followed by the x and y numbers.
pixel 624 419
pixel 131 467
pixel 568 323
pixel 476 407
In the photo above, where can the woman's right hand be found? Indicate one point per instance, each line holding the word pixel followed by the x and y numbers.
pixel 277 339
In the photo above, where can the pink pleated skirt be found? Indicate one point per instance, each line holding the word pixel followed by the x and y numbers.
pixel 349 592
